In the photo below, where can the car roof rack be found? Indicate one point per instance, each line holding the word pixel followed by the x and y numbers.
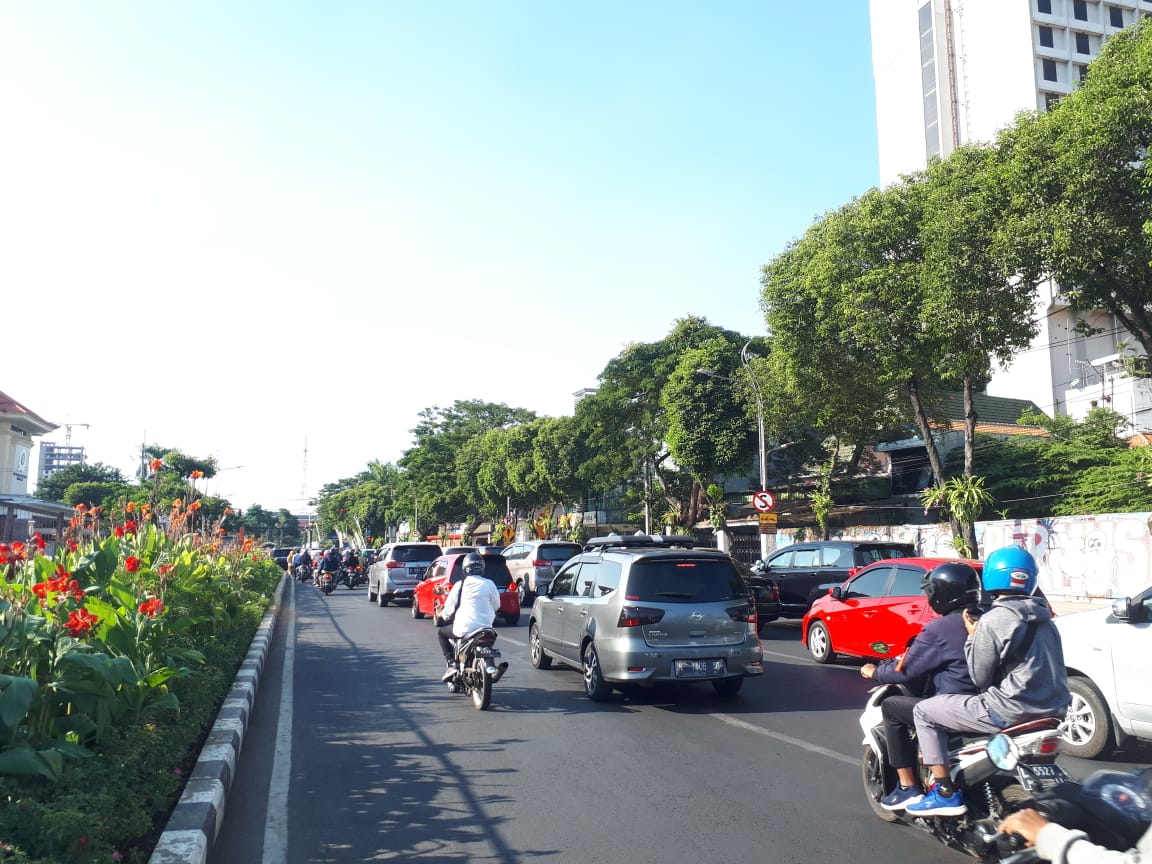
pixel 640 541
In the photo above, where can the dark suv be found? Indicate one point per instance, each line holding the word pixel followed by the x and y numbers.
pixel 640 609
pixel 805 571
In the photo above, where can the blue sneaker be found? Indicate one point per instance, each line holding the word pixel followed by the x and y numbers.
pixel 900 798
pixel 935 804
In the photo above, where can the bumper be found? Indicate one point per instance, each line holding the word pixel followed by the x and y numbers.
pixel 632 660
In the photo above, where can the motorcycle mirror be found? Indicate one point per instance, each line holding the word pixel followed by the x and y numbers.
pixel 1003 752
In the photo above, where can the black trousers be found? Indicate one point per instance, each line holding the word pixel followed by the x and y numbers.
pixel 897 730
pixel 444 634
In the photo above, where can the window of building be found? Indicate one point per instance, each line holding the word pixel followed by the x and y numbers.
pixel 1051 100
pixel 1044 6
pixel 1081 71
pixel 1082 44
pixel 1115 16
pixel 1049 70
pixel 1046 38
pixel 928 81
pixel 1080 10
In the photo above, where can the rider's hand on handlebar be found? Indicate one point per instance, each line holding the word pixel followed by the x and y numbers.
pixel 1027 823
pixel 867 670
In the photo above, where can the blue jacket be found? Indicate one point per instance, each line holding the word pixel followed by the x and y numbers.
pixel 937 653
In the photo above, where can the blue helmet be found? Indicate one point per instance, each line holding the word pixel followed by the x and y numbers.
pixel 1010 570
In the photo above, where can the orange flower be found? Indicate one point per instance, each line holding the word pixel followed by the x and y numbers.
pixel 130 506
pixel 152 607
pixel 197 474
pixel 80 621
pixel 177 502
pixel 195 505
pixel 156 464
pixel 80 508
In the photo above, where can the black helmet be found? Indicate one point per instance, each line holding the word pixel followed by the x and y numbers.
pixel 473 565
pixel 951 586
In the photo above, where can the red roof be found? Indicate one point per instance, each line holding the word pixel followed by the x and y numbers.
pixel 8 405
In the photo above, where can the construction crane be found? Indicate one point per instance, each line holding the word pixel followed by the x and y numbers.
pixel 68 431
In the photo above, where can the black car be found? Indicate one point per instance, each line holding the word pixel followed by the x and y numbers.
pixel 805 571
pixel 765 592
pixel 280 555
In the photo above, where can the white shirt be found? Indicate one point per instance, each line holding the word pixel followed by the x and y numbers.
pixel 479 602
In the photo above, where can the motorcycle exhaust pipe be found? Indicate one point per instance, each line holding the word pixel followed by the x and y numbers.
pixel 497 672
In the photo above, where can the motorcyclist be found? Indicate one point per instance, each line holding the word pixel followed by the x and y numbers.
pixel 301 563
pixel 330 563
pixel 1128 795
pixel 934 662
pixel 1014 656
pixel 471 604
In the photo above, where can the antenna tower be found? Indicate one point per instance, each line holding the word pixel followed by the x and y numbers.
pixel 304 474
pixel 68 431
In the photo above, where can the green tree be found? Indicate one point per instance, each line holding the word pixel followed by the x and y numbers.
pixel 94 493
pixel 52 487
pixel 1079 179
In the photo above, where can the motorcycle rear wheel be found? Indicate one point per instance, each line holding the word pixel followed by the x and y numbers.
pixel 875 784
pixel 480 685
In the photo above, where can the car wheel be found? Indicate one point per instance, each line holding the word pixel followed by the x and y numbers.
pixel 1088 723
pixel 595 686
pixel 371 596
pixel 876 784
pixel 381 600
pixel 511 620
pixel 526 596
pixel 536 655
pixel 819 643
pixel 727 688
pixel 416 613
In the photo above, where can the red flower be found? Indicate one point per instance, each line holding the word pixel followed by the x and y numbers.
pixel 41 589
pixel 132 564
pixel 39 538
pixel 152 607
pixel 73 545
pixel 118 530
pixel 130 526
pixel 18 551
pixel 164 569
pixel 74 590
pixel 80 621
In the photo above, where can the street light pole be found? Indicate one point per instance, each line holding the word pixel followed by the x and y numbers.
pixel 765 545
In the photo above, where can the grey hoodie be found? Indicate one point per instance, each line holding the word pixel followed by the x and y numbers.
pixel 1015 688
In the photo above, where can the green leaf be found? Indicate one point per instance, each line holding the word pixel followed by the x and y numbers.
pixel 26 762
pixel 17 695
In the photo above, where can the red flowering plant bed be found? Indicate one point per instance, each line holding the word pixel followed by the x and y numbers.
pixel 116 648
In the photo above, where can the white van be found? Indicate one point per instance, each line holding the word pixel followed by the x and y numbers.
pixel 1106 652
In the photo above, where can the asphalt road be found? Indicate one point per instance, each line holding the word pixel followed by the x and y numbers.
pixel 361 754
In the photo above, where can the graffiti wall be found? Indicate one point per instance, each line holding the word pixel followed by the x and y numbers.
pixel 1081 557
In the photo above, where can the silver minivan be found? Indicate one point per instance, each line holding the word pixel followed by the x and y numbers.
pixel 399 568
pixel 645 609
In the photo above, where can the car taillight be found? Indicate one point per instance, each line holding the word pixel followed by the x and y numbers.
pixel 511 586
pixel 774 591
pixel 852 571
pixel 638 616
pixel 744 612
pixel 540 563
pixel 392 565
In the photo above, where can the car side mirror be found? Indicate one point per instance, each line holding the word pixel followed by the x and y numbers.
pixel 1122 609
pixel 837 592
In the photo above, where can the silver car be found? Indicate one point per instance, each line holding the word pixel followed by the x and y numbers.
pixel 534 563
pixel 399 568
pixel 640 610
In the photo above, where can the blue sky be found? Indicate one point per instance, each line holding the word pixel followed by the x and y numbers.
pixel 233 227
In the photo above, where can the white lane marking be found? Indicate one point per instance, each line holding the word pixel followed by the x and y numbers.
pixel 787 739
pixel 515 642
pixel 276 818
pixel 802 660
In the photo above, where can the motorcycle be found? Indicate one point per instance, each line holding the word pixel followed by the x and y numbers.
pixel 303 572
pixel 353 576
pixel 476 664
pixel 327 582
pixel 1111 807
pixel 990 792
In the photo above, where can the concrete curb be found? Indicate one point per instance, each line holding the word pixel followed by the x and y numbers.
pixel 196 820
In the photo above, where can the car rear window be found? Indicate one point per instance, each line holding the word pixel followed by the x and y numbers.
pixel 558 554
pixel 869 554
pixel 496 569
pixel 684 581
pixel 404 554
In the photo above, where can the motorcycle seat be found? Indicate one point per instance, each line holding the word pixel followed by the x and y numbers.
pixel 1038 724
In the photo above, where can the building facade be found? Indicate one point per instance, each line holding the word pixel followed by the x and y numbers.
pixel 952 72
pixel 55 456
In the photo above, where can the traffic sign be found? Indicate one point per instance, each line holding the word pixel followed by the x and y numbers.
pixel 763 501
pixel 768 522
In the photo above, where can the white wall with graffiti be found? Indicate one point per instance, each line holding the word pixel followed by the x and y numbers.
pixel 1081 557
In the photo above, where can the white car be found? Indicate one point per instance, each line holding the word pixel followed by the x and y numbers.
pixel 398 569
pixel 1106 652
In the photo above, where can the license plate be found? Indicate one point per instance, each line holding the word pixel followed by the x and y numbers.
pixel 418 572
pixel 488 652
pixel 1036 777
pixel 700 668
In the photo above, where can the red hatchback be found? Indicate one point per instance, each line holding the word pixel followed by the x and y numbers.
pixel 875 613
pixel 445 571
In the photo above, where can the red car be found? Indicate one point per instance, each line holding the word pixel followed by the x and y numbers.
pixel 875 613
pixel 428 596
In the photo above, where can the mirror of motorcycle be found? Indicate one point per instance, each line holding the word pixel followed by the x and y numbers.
pixel 1003 752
